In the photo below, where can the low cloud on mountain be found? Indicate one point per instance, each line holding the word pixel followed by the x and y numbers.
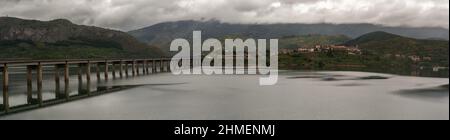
pixel 133 14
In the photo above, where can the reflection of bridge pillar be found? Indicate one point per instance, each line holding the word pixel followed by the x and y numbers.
pixel 5 88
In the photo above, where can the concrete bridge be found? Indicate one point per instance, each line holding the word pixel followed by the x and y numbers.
pixel 62 68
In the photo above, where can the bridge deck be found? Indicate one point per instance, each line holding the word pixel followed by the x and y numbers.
pixel 84 69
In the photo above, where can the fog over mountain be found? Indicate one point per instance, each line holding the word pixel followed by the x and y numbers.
pixel 162 34
pixel 128 15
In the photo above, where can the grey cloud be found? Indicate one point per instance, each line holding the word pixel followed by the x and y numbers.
pixel 131 14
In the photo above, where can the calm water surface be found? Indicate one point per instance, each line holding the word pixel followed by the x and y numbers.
pixel 298 95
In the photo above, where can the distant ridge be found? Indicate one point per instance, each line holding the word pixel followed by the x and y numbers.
pixel 163 33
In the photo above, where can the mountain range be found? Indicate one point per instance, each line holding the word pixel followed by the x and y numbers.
pixel 60 38
pixel 163 33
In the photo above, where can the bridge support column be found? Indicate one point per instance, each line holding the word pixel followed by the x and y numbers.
pixel 164 65
pixel 151 66
pixel 121 69
pixel 80 78
pixel 29 84
pixel 161 67
pixel 66 80
pixel 106 70
pixel 137 68
pixel 57 82
pixel 88 78
pixel 146 67
pixel 133 68
pixel 97 70
pixel 143 67
pixel 168 65
pixel 5 88
pixel 39 83
pixel 154 66
pixel 114 70
pixel 126 69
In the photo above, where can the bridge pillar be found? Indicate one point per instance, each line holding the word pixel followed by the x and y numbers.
pixel 133 68
pixel 97 70
pixel 143 67
pixel 114 70
pixel 39 83
pixel 5 88
pixel 126 69
pixel 154 66
pixel 80 78
pixel 168 65
pixel 151 67
pixel 66 80
pixel 161 67
pixel 121 69
pixel 106 70
pixel 57 82
pixel 29 84
pixel 137 68
pixel 146 67
pixel 88 78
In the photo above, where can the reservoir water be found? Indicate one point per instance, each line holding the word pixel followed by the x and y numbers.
pixel 298 95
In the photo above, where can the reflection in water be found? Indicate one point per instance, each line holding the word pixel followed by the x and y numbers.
pixel 331 77
pixel 352 84
pixel 336 78
pixel 425 93
pixel 116 86
pixel 138 85
pixel 165 96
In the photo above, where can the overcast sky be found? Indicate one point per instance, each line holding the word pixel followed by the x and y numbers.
pixel 132 14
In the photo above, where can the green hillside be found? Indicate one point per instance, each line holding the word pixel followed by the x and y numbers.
pixel 385 44
pixel 293 42
pixel 381 52
pixel 61 39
